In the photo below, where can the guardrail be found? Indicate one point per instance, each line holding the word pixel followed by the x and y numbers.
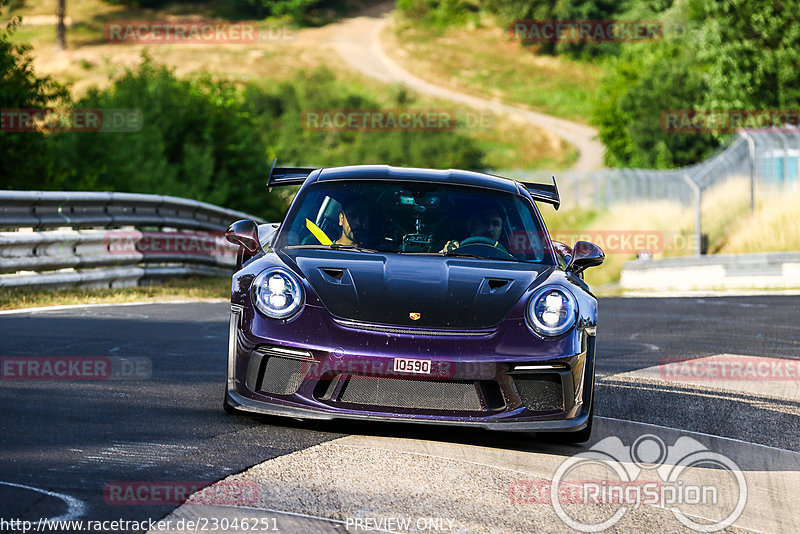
pixel 97 239
pixel 770 270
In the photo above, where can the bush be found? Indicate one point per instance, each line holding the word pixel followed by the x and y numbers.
pixel 634 94
pixel 440 13
pixel 208 140
pixel 21 161
pixel 280 115
pixel 196 141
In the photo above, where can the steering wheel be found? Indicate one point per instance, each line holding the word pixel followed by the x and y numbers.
pixel 486 244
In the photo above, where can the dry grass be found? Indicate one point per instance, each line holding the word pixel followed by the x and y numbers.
pixel 773 227
pixel 622 231
pixel 190 288
pixel 485 62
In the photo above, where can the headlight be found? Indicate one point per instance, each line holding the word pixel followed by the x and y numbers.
pixel 552 311
pixel 277 293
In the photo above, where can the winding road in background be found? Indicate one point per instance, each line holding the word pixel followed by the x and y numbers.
pixel 62 443
pixel 358 42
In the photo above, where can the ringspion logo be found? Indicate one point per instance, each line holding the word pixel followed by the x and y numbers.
pixel 706 491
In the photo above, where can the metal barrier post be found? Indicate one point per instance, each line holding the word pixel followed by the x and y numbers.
pixel 697 212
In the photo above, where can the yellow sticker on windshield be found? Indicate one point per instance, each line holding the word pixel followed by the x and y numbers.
pixel 318 233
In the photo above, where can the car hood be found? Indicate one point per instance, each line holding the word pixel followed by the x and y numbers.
pixel 392 289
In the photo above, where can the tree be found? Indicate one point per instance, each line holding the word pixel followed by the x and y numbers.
pixel 61 31
pixel 752 50
pixel 641 85
pixel 23 155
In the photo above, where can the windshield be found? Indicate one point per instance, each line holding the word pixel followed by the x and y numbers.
pixel 415 218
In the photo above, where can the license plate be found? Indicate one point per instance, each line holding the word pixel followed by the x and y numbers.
pixel 409 365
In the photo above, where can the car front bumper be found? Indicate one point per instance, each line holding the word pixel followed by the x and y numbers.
pixel 485 381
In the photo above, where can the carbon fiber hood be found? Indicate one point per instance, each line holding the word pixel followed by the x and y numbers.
pixel 393 288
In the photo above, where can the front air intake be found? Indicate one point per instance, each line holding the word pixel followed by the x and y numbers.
pixel 541 392
pixel 460 396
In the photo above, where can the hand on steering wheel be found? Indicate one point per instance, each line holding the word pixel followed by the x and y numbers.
pixel 481 240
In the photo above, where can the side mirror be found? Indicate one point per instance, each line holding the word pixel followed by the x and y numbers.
pixel 585 255
pixel 245 234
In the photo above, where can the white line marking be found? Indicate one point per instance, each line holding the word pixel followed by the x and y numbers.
pixel 711 294
pixel 107 304
pixel 758 376
pixel 75 507
pixel 433 456
pixel 697 433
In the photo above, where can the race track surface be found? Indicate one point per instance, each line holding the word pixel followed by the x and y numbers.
pixel 62 443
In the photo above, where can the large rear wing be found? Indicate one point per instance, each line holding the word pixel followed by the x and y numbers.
pixel 286 175
pixel 544 192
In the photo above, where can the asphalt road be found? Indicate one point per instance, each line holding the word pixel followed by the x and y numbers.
pixel 73 439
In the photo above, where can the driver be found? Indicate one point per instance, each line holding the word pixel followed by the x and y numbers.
pixel 484 223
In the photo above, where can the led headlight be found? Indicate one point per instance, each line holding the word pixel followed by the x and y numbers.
pixel 277 293
pixel 552 311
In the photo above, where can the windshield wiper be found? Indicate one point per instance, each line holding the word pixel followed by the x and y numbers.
pixel 334 246
pixel 456 254
pixel 339 246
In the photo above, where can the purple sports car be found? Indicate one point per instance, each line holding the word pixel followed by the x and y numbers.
pixel 418 295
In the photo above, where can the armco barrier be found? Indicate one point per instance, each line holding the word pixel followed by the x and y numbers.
pixel 772 270
pixel 62 239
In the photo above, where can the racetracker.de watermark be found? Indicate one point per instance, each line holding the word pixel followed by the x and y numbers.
pixel 389 120
pixel 193 32
pixel 125 242
pixel 224 493
pixel 586 31
pixel 83 368
pixel 610 241
pixel 730 367
pixel 401 368
pixel 105 120
pixel 727 121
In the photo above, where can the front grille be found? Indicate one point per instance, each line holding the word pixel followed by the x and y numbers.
pixel 415 394
pixel 541 392
pixel 282 376
pixel 413 331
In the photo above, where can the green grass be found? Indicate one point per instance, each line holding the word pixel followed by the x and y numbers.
pixel 185 289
